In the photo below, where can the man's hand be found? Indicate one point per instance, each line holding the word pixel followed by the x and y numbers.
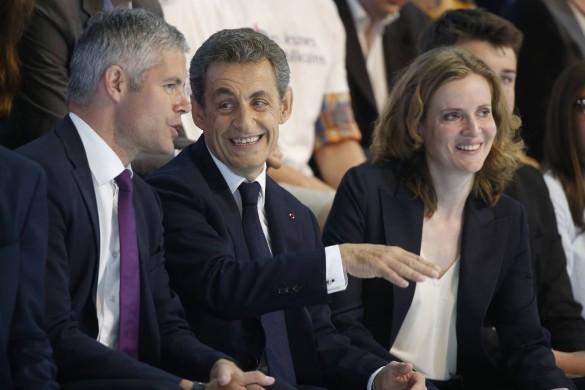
pixel 226 375
pixel 399 376
pixel 389 262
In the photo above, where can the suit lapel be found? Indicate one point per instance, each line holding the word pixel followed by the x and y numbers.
pixel 481 262
pixel 81 173
pixel 401 39
pixel 225 199
pixel 356 64
pixel 403 227
pixel 282 224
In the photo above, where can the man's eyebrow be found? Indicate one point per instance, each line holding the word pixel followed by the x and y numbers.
pixel 222 91
pixel 260 94
pixel 174 79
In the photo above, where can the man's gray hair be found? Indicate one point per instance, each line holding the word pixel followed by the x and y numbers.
pixel 134 39
pixel 242 45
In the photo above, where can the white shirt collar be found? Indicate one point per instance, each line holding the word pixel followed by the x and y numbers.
pixel 104 163
pixel 361 18
pixel 234 180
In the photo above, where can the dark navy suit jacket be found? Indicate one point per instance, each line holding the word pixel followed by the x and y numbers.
pixel 495 281
pixel 25 353
pixel 224 292
pixel 165 340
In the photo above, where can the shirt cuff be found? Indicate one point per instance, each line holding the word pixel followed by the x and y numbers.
pixel 334 274
pixel 371 381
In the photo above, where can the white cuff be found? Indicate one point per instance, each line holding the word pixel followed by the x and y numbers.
pixel 371 381
pixel 335 276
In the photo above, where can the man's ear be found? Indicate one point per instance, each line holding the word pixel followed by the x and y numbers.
pixel 286 106
pixel 198 113
pixel 116 82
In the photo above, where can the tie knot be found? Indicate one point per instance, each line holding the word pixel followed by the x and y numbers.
pixel 249 192
pixel 124 181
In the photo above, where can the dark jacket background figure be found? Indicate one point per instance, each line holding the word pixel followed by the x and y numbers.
pixel 400 44
pixel 553 40
pixel 45 50
pixel 559 313
pixel 25 360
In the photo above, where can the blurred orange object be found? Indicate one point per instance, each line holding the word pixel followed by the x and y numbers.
pixel 434 8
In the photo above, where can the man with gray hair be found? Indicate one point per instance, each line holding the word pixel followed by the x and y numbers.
pixel 112 320
pixel 243 254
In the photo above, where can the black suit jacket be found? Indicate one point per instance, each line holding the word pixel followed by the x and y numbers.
pixel 165 340
pixel 25 357
pixel 549 47
pixel 495 280
pixel 224 292
pixel 401 45
pixel 45 51
pixel 559 313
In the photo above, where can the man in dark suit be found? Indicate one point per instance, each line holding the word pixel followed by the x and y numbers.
pixel 240 96
pixel 25 361
pixel 395 30
pixel 111 326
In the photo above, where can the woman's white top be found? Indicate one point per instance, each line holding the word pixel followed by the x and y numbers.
pixel 572 237
pixel 427 337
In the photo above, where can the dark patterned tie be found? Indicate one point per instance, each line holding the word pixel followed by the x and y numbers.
pixel 129 268
pixel 278 353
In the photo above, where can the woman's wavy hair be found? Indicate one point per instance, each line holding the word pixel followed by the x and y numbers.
pixel 395 137
pixel 561 155
pixel 14 17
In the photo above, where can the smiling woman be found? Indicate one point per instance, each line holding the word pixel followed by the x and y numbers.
pixel 443 149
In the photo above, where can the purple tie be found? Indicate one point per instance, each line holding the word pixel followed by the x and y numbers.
pixel 129 268
pixel 278 354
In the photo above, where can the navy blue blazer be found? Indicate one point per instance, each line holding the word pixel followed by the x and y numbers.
pixel 25 360
pixel 72 272
pixel 224 292
pixel 495 284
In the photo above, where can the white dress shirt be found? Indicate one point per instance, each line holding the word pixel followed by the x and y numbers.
pixel 335 276
pixel 427 337
pixel 105 165
pixel 573 239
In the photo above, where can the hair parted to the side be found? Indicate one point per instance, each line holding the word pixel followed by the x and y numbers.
pixel 131 38
pixel 561 155
pixel 242 45
pixel 457 26
pixel 395 136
